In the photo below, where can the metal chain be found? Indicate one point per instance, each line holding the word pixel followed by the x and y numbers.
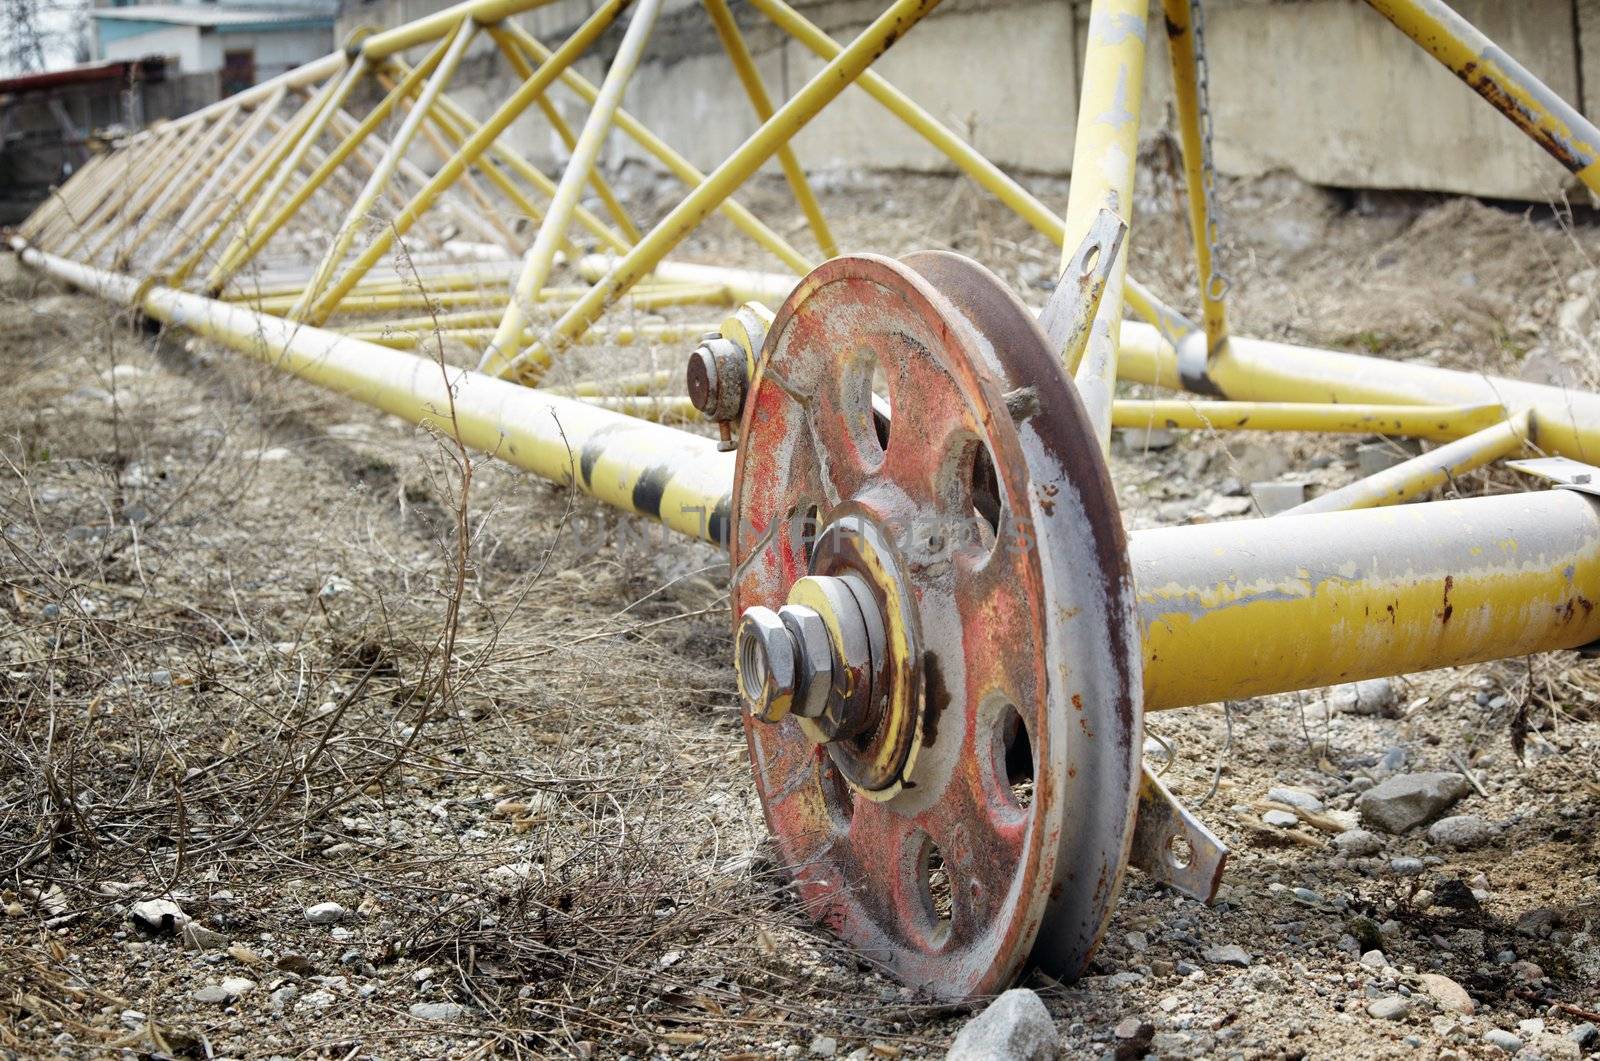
pixel 1218 287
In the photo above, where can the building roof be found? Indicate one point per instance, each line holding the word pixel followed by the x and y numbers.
pixel 85 73
pixel 212 15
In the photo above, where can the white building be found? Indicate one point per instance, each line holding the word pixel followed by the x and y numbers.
pixel 243 44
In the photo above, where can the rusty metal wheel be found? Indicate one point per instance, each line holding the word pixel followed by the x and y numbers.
pixel 919 495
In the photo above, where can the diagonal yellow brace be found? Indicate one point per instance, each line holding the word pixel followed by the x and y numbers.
pixel 515 59
pixel 744 65
pixel 476 144
pixel 541 258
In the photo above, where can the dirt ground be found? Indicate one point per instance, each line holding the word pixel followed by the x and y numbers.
pixel 229 598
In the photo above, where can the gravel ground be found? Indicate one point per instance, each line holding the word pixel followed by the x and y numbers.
pixel 229 596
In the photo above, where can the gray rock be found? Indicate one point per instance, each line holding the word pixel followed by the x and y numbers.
pixel 283 996
pixel 1406 801
pixel 1503 1039
pixel 1374 959
pixel 1274 497
pixel 1298 798
pixel 325 913
pixel 1587 1036
pixel 157 917
pixel 1137 440
pixel 1281 819
pixel 1375 696
pixel 1358 843
pixel 1391 1007
pixel 1228 954
pixel 1015 1027
pixel 212 995
pixel 1378 456
pixel 198 937
pixel 1460 831
pixel 442 1011
pixel 1449 994
pixel 824 1046
pixel 1405 866
pixel 236 986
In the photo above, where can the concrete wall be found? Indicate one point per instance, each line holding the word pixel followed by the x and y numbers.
pixel 1325 89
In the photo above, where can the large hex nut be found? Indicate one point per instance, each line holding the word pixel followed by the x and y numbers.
pixel 767 665
pixel 815 658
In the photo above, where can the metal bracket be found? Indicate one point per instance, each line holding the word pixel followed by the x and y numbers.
pixel 1068 316
pixel 1171 845
pixel 1563 472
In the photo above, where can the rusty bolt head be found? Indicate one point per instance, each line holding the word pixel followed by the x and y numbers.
pixel 717 379
pixel 764 655
pixel 815 657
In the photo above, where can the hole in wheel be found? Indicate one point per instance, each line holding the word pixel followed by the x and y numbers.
pixel 1179 852
pixel 1013 765
pixel 863 392
pixel 933 881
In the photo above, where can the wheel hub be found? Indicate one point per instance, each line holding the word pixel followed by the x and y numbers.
pixel 935 626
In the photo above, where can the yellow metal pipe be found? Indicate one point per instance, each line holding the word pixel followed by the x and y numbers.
pixel 828 82
pixel 1252 607
pixel 264 232
pixel 1225 610
pixel 966 158
pixel 662 152
pixel 744 66
pixel 392 42
pixel 175 158
pixel 481 140
pixel 300 77
pixel 1103 156
pixel 631 384
pixel 1566 420
pixel 1433 469
pixel 519 63
pixel 1506 84
pixel 541 258
pixel 465 125
pixel 182 190
pixel 1438 423
pixel 243 189
pixel 206 203
pixel 1190 96
pixel 246 242
pixel 375 186
pixel 742 285
pixel 659 472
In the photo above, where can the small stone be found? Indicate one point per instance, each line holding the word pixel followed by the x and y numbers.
pixel 1281 819
pixel 1228 954
pixel 1527 972
pixel 298 964
pixel 1531 1028
pixel 325 913
pixel 824 1046
pixel 1133 1035
pixel 1358 843
pixel 237 986
pixel 1503 1039
pixel 198 937
pixel 1391 1007
pixel 157 917
pixel 1379 456
pixel 1274 497
pixel 1374 959
pixel 1449 994
pixel 1137 941
pixel 1586 1035
pixel 1406 801
pixel 1366 933
pixel 1297 798
pixel 438 1011
pixel 1376 696
pixel 1405 866
pixel 283 996
pixel 1137 440
pixel 1538 922
pixel 1014 1027
pixel 1460 831
pixel 212 995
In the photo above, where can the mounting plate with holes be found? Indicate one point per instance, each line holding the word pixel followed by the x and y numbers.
pixel 974 806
